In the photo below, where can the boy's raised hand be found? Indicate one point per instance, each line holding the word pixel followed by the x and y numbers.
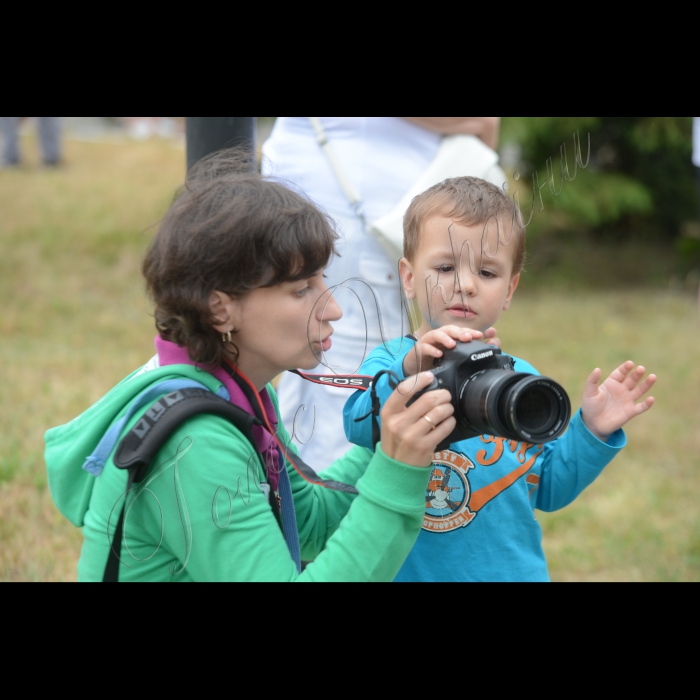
pixel 610 406
pixel 432 345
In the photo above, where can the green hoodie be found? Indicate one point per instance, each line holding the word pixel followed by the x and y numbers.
pixel 202 514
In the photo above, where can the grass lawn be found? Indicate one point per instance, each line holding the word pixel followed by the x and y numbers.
pixel 74 320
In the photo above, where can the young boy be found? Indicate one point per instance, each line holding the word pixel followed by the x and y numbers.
pixel 464 252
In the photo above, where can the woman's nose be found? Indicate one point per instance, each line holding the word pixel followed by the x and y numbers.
pixel 329 311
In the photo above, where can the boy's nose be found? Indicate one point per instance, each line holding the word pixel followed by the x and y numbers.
pixel 466 284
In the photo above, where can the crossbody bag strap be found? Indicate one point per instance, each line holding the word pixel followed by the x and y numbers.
pixel 393 250
pixel 349 190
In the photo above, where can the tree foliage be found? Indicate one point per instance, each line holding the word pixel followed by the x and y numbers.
pixel 639 179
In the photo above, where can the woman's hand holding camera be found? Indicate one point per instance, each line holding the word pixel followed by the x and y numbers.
pixel 610 406
pixel 431 346
pixel 411 435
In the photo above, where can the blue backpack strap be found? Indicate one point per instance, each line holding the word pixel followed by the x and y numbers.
pixel 96 462
pixel 290 529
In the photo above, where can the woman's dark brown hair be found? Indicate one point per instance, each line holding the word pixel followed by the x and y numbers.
pixel 233 231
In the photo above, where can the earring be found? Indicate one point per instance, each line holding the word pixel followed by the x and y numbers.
pixel 227 338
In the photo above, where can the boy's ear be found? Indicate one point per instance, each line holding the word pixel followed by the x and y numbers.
pixel 225 311
pixel 511 290
pixel 408 279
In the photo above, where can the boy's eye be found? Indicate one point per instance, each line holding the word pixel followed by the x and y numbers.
pixel 445 269
pixel 302 292
pixel 487 274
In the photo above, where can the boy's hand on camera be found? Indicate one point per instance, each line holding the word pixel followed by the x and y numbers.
pixel 432 345
pixel 491 338
pixel 610 406
pixel 411 435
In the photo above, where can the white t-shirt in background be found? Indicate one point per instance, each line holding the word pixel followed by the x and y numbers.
pixel 382 156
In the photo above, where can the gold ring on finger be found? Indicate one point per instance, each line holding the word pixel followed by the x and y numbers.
pixel 432 425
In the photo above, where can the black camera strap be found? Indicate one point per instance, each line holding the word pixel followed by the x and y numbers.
pixel 394 381
pixel 142 443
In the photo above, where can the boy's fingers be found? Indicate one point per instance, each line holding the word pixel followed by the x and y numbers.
pixel 593 382
pixel 459 333
pixel 645 406
pixel 646 385
pixel 622 372
pixel 445 339
pixel 633 378
pixel 427 349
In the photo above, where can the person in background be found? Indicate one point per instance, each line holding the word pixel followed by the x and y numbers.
pixel 49 129
pixel 383 157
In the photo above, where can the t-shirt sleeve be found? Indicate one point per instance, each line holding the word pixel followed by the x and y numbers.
pixel 572 463
pixel 360 403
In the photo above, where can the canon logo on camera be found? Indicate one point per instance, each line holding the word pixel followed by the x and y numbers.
pixel 482 356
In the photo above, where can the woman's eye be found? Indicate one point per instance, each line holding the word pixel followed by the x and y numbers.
pixel 303 292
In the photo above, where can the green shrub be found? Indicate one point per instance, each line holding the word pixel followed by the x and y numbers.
pixel 639 180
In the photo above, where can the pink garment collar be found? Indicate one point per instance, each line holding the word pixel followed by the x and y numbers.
pixel 172 354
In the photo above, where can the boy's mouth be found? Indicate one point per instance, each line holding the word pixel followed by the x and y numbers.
pixel 461 311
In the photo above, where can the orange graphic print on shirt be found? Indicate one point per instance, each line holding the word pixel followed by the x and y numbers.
pixel 449 493
pixel 450 503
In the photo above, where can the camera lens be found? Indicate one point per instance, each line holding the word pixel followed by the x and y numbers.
pixel 516 406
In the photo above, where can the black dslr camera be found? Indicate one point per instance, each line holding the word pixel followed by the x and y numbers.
pixel 491 398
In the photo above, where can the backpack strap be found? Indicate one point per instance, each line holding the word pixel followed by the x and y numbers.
pixel 140 446
pixel 95 463
pixel 143 442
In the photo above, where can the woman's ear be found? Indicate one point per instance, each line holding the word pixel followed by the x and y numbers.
pixel 225 310
pixel 408 278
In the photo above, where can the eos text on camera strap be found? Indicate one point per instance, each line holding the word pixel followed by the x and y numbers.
pixel 354 382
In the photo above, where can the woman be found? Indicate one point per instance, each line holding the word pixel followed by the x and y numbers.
pixel 236 275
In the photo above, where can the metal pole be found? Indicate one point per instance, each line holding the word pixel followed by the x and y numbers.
pixel 206 135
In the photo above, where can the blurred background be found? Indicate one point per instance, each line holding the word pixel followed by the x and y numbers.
pixel 613 274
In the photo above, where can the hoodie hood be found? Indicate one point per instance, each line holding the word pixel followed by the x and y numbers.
pixel 69 446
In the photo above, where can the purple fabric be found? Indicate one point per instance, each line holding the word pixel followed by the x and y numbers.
pixel 172 354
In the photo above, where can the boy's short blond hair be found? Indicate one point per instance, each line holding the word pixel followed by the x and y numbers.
pixel 469 201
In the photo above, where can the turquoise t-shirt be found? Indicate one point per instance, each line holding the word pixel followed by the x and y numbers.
pixel 480 522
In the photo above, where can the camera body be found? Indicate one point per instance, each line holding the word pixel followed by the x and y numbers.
pixel 491 398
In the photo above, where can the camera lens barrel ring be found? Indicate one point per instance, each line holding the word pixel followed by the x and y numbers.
pixel 517 406
pixel 539 409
